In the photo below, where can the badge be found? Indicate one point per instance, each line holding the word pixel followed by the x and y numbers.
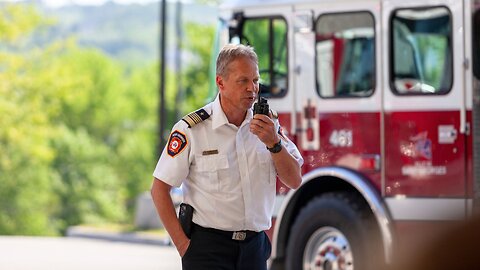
pixel 210 152
pixel 176 143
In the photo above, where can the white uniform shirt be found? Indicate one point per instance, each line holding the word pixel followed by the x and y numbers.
pixel 227 173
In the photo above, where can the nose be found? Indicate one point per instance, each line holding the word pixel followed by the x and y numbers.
pixel 253 87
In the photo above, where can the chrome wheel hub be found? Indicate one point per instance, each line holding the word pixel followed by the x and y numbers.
pixel 327 249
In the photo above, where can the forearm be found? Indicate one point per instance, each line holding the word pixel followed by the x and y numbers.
pixel 166 211
pixel 287 168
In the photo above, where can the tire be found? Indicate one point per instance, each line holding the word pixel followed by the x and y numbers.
pixel 333 232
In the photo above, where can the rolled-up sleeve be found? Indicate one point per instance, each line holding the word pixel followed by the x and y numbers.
pixel 289 145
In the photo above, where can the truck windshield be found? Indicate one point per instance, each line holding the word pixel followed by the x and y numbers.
pixel 268 35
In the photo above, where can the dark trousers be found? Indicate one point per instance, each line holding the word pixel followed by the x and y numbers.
pixel 213 250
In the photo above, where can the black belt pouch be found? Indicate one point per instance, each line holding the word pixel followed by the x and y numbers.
pixel 185 216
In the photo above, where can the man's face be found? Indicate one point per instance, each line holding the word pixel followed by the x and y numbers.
pixel 239 88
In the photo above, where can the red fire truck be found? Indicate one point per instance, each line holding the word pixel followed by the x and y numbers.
pixel 382 97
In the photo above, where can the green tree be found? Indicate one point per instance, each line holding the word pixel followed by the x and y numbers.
pixel 196 78
pixel 79 129
pixel 90 129
pixel 26 179
pixel 62 116
pixel 137 153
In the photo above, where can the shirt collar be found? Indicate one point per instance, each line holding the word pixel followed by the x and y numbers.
pixel 218 115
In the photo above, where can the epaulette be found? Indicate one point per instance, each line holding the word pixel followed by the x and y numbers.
pixel 195 117
pixel 274 114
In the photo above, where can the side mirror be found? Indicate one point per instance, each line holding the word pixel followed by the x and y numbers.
pixel 235 25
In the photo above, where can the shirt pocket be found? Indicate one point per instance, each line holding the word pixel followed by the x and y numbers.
pixel 267 167
pixel 210 170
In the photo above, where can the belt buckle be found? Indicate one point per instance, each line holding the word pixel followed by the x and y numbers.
pixel 239 236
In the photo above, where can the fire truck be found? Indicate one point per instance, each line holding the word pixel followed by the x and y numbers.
pixel 382 97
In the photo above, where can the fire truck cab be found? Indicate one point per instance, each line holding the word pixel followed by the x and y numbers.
pixel 382 97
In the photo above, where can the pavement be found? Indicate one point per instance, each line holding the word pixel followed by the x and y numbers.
pixel 115 236
pixel 75 253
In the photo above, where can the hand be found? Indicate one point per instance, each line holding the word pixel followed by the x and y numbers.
pixel 264 127
pixel 182 248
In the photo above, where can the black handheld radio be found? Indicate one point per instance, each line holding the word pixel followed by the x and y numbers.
pixel 261 106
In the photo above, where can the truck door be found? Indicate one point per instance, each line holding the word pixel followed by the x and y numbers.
pixel 475 52
pixel 425 114
pixel 336 85
pixel 338 94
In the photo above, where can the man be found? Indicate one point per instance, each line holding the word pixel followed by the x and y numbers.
pixel 227 160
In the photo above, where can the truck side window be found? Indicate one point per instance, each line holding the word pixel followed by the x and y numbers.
pixel 268 36
pixel 421 51
pixel 345 54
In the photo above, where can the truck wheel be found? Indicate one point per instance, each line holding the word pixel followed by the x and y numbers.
pixel 332 233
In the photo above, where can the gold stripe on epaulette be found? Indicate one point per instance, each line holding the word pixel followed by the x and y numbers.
pixel 189 121
pixel 195 117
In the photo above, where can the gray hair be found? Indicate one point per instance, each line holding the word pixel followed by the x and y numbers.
pixel 230 52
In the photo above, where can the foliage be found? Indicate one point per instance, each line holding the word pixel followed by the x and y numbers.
pixel 61 131
pixel 196 77
pixel 79 129
pixel 26 179
pixel 15 22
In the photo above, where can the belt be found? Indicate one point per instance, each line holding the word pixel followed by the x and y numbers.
pixel 234 235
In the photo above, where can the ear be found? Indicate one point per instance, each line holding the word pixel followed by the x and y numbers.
pixel 219 82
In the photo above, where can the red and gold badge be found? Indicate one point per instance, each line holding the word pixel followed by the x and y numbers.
pixel 176 143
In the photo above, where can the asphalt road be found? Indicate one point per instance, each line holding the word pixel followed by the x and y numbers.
pixel 70 253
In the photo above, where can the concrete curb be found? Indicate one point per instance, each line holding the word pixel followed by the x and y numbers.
pixel 130 237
